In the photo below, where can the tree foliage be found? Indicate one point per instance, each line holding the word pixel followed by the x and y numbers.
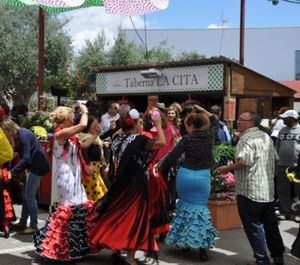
pixel 19 51
pixel 186 56
pixel 124 51
pixel 99 53
pixel 161 53
pixel 93 55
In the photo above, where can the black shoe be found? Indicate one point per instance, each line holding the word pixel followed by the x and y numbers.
pixel 118 260
pixel 162 238
pixel 6 234
pixel 203 254
pixel 186 249
pixel 278 261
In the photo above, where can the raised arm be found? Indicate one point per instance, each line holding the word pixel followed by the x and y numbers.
pixel 161 140
pixel 172 157
pixel 214 122
pixel 95 131
pixel 66 133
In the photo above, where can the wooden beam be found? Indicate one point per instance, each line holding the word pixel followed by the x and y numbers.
pixel 41 62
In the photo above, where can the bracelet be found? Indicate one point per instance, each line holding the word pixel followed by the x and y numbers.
pixel 85 112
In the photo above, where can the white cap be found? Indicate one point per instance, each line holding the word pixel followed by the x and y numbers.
pixel 134 114
pixel 290 114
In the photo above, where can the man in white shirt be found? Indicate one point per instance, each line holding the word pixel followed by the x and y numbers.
pixel 108 120
pixel 254 174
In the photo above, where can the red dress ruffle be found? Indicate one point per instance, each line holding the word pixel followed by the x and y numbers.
pixel 115 236
pixel 9 209
pixel 66 235
pixel 8 205
pixel 159 213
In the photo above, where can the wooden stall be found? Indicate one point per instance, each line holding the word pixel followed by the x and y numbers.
pixel 217 80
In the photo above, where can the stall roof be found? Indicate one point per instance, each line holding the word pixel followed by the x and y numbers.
pixel 205 61
pixel 117 68
pixel 293 84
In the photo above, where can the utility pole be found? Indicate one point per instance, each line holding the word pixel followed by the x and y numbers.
pixel 242 32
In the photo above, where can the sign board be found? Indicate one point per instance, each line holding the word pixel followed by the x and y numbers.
pixel 176 79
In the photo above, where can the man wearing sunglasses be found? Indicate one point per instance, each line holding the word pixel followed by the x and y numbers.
pixel 254 169
pixel 109 119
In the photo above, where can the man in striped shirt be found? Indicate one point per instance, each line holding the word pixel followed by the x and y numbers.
pixel 254 172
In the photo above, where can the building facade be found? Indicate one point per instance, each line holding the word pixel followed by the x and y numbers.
pixel 273 52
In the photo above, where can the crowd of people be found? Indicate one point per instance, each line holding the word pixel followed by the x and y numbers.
pixel 128 180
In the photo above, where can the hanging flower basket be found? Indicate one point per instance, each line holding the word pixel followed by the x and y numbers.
pixel 59 92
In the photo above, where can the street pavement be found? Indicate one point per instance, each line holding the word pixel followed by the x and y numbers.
pixel 231 248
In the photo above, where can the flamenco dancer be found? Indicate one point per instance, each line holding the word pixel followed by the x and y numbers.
pixel 124 212
pixel 6 155
pixel 66 235
pixel 8 213
pixel 93 154
pixel 158 189
pixel 191 226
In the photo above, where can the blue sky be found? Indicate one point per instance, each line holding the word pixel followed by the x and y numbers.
pixel 189 14
pixel 201 13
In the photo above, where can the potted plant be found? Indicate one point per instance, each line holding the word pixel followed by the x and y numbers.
pixel 39 123
pixel 222 203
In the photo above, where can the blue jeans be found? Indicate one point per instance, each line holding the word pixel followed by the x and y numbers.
pixel 261 227
pixel 29 203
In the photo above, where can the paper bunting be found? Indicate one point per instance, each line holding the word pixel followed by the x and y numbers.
pixel 60 3
pixel 134 7
pixel 121 7
pixel 56 6
pixel 29 2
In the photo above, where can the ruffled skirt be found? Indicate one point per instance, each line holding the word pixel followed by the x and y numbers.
pixel 191 227
pixel 113 231
pixel 9 209
pixel 160 218
pixel 66 235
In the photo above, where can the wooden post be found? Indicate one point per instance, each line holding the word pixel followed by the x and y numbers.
pixel 41 63
pixel 242 32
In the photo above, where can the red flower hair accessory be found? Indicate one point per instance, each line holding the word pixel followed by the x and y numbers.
pixel 2 114
pixel 129 121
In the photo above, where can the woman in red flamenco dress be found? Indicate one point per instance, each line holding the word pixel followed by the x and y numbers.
pixel 9 213
pixel 125 212
pixel 161 216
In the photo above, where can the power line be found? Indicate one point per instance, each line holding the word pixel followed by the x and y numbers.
pixel 146 42
pixel 139 36
pixel 223 21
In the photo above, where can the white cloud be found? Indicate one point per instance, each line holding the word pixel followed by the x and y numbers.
pixel 215 26
pixel 88 22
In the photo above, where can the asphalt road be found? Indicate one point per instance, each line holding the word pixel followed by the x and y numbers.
pixel 231 248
